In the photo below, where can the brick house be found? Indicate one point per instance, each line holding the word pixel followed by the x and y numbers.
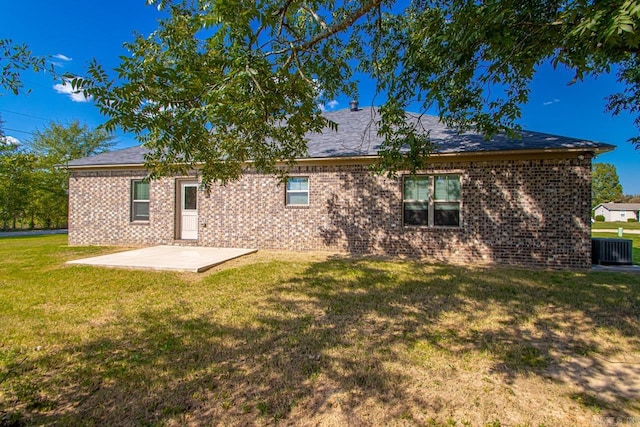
pixel 524 202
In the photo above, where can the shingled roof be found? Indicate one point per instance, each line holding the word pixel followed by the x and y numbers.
pixel 357 137
pixel 620 206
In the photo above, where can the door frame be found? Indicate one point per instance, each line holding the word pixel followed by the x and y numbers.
pixel 178 206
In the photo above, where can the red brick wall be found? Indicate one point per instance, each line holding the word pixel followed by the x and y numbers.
pixel 517 212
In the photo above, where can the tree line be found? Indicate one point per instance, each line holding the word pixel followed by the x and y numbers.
pixel 33 176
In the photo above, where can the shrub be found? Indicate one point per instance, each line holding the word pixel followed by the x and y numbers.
pixel 600 218
pixel 632 220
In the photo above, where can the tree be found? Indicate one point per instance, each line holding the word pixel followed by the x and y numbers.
pixel 605 184
pixel 33 180
pixel 15 58
pixel 61 143
pixel 16 180
pixel 54 147
pixel 224 82
pixel 49 197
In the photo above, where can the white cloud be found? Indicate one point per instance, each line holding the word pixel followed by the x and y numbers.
pixel 62 57
pixel 10 140
pixel 66 89
pixel 554 101
pixel 329 106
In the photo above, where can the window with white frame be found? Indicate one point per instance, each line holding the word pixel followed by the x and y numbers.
pixel 416 200
pixel 297 191
pixel 431 200
pixel 139 200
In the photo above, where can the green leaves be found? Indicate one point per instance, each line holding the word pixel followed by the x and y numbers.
pixel 227 83
pixel 605 184
pixel 609 24
pixel 16 178
pixel 220 85
pixel 15 58
pixel 33 186
pixel 61 143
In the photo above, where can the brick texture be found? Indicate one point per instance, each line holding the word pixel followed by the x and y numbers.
pixel 514 212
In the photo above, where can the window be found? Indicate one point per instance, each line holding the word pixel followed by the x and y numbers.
pixel 416 200
pixel 297 191
pixel 446 200
pixel 190 197
pixel 139 200
pixel 431 200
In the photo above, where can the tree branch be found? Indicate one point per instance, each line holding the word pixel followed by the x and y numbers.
pixel 315 16
pixel 283 14
pixel 340 26
pixel 330 31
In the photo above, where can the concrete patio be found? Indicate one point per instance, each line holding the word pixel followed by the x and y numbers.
pixel 175 258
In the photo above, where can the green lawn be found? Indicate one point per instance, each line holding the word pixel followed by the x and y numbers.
pixel 601 225
pixel 314 339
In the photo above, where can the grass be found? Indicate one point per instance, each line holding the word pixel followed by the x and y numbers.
pixel 311 339
pixel 601 225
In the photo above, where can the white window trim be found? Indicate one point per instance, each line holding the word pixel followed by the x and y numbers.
pixel 287 192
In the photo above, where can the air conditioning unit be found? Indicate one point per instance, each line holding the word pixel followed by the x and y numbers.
pixel 612 251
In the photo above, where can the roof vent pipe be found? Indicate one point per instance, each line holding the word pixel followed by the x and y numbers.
pixel 353 105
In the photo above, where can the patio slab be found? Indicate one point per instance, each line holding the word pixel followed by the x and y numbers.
pixel 176 258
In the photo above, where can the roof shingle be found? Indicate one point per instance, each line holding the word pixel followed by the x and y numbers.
pixel 620 206
pixel 357 136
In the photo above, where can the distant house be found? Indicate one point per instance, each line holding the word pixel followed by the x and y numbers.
pixel 518 202
pixel 617 211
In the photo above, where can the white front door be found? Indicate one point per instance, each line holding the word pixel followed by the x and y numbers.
pixel 189 210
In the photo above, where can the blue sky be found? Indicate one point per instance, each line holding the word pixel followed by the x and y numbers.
pixel 74 33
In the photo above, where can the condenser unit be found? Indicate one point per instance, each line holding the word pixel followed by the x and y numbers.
pixel 612 251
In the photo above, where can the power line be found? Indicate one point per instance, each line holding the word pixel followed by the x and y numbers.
pixel 21 131
pixel 23 114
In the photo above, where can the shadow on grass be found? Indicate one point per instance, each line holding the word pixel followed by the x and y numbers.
pixel 517 338
pixel 335 335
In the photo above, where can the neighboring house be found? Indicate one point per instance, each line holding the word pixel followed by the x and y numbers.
pixel 617 211
pixel 519 202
